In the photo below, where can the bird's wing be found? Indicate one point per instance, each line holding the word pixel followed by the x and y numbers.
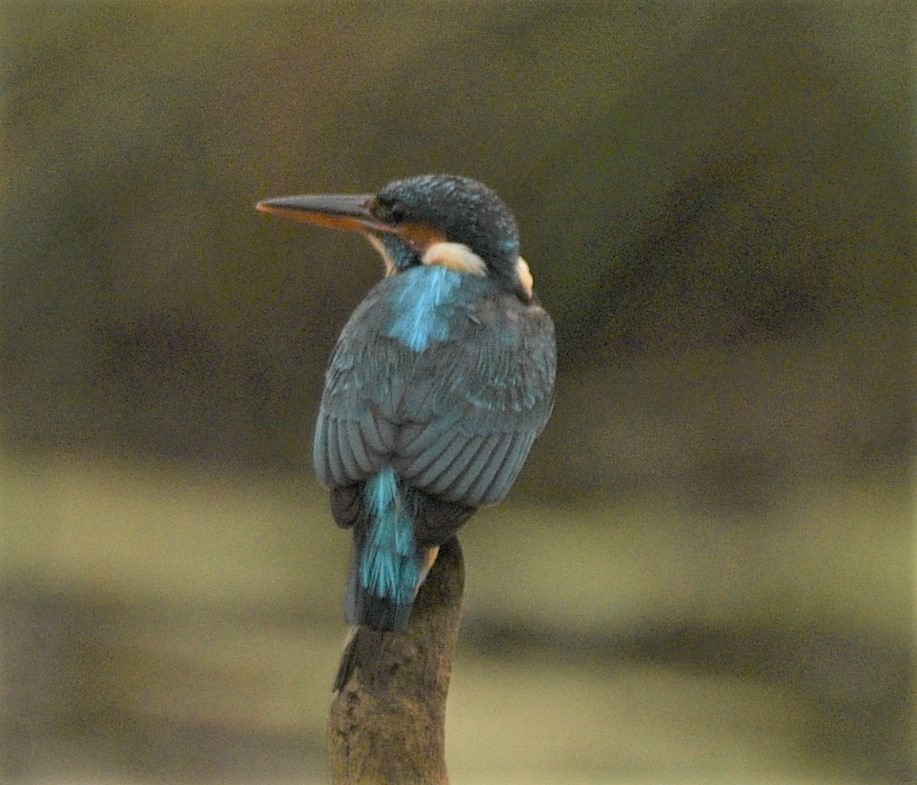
pixel 456 420
pixel 357 425
pixel 472 414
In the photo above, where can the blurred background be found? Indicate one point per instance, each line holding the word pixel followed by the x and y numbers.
pixel 705 573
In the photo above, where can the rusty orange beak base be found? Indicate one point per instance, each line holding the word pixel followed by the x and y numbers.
pixel 335 211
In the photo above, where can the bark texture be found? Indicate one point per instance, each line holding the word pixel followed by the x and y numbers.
pixel 387 719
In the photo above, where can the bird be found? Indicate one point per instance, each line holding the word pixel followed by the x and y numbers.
pixel 438 385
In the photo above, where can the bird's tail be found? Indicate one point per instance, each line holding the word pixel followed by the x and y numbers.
pixel 386 565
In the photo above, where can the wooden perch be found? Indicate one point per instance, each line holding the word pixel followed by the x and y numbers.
pixel 387 720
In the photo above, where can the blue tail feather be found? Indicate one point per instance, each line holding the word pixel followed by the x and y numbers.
pixel 386 568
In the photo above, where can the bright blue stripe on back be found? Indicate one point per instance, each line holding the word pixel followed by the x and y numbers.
pixel 388 564
pixel 419 318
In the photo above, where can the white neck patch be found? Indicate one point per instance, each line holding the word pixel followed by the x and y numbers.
pixel 455 256
pixel 376 243
pixel 524 274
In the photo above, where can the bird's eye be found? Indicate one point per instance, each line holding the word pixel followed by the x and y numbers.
pixel 396 213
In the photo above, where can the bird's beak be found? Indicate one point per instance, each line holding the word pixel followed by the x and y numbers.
pixel 336 211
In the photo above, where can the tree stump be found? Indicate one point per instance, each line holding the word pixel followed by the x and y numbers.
pixel 387 719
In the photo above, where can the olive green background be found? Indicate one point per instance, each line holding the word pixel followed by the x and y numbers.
pixel 705 572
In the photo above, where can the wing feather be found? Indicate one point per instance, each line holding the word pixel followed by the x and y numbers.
pixel 337 472
pixel 358 448
pixel 505 476
pixel 446 480
pixel 320 452
pixel 373 440
pixel 483 480
pixel 417 437
pixel 425 469
pixel 345 454
pixel 473 468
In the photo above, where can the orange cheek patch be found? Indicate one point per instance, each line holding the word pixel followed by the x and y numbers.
pixel 419 236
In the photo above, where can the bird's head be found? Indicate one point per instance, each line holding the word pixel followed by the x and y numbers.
pixel 432 219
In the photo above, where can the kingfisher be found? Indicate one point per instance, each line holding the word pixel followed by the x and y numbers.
pixel 438 385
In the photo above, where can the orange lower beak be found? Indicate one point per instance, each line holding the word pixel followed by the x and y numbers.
pixel 336 211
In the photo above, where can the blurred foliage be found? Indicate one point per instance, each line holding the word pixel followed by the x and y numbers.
pixel 685 175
